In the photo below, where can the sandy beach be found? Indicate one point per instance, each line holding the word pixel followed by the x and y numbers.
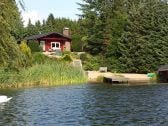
pixel 132 78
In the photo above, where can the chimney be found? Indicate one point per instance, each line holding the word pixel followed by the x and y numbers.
pixel 66 32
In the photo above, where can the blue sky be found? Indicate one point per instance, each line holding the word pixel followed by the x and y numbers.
pixel 40 9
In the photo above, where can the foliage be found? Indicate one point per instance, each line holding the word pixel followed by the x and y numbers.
pixel 25 49
pixel 90 62
pixel 154 78
pixel 11 56
pixel 52 24
pixel 39 58
pixel 83 56
pixel 77 43
pixel 11 14
pixel 67 57
pixel 96 19
pixel 75 55
pixel 34 46
pixel 67 52
pixel 144 44
pixel 123 35
pixel 131 36
pixel 48 74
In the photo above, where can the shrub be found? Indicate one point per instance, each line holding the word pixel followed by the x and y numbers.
pixel 67 58
pixel 76 43
pixel 66 52
pixel 90 62
pixel 83 56
pixel 26 53
pixel 75 55
pixel 34 46
pixel 25 49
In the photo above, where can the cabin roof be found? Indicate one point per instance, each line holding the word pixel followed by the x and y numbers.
pixel 39 36
pixel 163 68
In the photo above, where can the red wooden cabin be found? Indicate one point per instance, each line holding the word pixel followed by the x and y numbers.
pixel 53 41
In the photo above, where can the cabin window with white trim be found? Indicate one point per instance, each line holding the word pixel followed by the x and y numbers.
pixel 55 45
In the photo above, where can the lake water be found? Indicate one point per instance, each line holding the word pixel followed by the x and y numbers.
pixel 87 105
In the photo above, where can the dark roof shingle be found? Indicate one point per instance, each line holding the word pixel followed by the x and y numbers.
pixel 36 37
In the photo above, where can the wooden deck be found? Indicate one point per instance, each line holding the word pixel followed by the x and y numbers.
pixel 118 78
pixel 115 79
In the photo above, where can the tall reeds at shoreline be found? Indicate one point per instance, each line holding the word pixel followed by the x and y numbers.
pixel 47 72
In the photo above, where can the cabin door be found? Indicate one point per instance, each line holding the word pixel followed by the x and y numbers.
pixel 55 45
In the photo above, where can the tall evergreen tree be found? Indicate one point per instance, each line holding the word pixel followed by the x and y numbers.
pixel 14 19
pixel 32 29
pixel 93 21
pixel 104 23
pixel 10 52
pixel 38 27
pixel 50 23
pixel 144 44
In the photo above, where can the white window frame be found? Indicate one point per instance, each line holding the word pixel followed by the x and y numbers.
pixel 55 45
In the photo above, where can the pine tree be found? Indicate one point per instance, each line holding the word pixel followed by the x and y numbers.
pixel 104 21
pixel 144 44
pixel 50 23
pixel 31 29
pixel 14 19
pixel 38 27
pixel 93 21
pixel 10 53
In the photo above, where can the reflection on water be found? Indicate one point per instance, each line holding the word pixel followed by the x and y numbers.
pixel 86 105
pixel 2 106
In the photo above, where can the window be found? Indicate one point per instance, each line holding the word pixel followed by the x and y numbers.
pixel 55 45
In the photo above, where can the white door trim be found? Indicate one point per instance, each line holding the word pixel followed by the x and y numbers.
pixel 57 45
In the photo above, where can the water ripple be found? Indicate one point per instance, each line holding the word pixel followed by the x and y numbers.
pixel 88 105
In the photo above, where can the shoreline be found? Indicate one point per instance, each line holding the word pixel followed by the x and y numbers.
pixel 93 77
pixel 133 78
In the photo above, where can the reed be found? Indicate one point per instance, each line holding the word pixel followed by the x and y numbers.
pixel 47 74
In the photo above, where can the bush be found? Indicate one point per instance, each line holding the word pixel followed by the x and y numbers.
pixel 90 62
pixel 25 49
pixel 67 58
pixel 34 46
pixel 112 65
pixel 83 56
pixel 66 52
pixel 76 43
pixel 26 53
pixel 75 55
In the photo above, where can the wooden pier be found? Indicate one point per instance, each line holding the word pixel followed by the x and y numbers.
pixel 118 78
pixel 115 80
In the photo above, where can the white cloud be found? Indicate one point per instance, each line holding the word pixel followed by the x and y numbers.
pixel 33 15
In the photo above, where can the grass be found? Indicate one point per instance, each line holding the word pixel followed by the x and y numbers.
pixel 100 78
pixel 47 73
